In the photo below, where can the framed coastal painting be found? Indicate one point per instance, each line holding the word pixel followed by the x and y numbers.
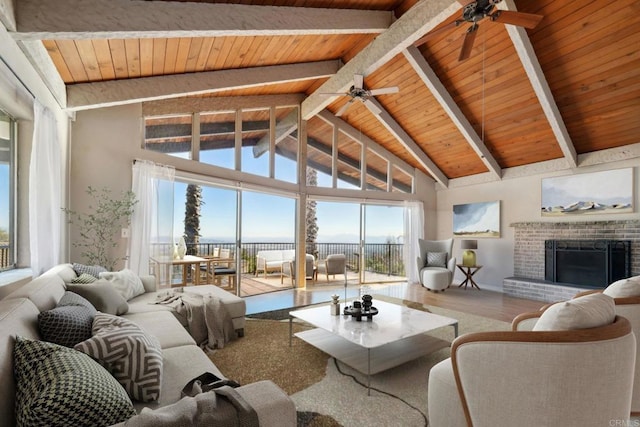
pixel 593 193
pixel 477 219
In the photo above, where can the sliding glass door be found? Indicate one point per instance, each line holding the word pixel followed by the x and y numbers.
pixel 382 243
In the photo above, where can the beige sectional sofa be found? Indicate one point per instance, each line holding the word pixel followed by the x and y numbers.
pixel 183 360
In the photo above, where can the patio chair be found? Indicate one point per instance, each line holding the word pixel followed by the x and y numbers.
pixel 334 264
pixel 218 267
pixel 289 269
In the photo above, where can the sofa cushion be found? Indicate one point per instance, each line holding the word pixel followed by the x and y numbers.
pixel 93 270
pixel 436 259
pixel 164 326
pixel 66 325
pixel 59 386
pixel 624 288
pixel 102 295
pixel 131 355
pixel 589 311
pixel 126 282
pixel 84 278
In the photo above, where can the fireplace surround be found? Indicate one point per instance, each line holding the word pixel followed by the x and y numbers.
pixel 529 281
pixel 591 264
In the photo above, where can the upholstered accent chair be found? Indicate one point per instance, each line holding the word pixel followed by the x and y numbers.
pixel 540 377
pixel 436 264
pixel 332 265
pixel 289 269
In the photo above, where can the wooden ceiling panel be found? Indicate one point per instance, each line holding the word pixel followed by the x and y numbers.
pixel 80 61
pixel 591 57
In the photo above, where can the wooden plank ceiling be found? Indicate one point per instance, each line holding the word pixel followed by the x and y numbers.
pixel 588 55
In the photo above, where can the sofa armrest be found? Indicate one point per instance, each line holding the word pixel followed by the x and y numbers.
pixel 274 407
pixel 149 283
pixel 451 265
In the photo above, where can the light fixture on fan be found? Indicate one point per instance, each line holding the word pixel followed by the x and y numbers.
pixel 469 256
pixel 475 11
pixel 357 92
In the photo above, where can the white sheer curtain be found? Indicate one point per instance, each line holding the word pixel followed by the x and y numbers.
pixel 45 190
pixel 152 220
pixel 413 230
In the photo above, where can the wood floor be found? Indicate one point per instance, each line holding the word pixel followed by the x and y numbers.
pixel 494 305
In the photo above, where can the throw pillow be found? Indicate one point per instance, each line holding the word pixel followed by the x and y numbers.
pixel 69 322
pixel 131 355
pixel 66 325
pixel 436 259
pixel 589 311
pixel 71 298
pixel 84 278
pixel 59 386
pixel 126 282
pixel 624 288
pixel 93 270
pixel 102 295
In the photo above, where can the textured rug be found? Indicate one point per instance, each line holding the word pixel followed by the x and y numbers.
pixel 329 393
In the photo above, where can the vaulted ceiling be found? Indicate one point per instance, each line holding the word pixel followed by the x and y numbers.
pixel 545 96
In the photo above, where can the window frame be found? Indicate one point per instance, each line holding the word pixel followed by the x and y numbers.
pixel 12 226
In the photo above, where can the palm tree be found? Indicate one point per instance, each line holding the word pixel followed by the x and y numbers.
pixel 192 218
pixel 311 220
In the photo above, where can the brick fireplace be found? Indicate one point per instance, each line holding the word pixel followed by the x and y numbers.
pixel 529 254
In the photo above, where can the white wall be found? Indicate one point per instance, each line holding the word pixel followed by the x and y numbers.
pixel 519 202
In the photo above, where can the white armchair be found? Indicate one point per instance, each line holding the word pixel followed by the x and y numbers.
pixel 436 270
pixel 535 378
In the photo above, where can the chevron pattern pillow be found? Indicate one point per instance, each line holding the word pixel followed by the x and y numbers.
pixel 132 356
pixel 436 259
pixel 59 386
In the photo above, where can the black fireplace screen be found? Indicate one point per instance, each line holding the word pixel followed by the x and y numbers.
pixel 587 263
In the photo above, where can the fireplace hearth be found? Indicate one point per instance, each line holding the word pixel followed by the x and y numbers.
pixel 591 264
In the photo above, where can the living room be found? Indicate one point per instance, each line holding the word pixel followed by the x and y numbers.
pixel 476 153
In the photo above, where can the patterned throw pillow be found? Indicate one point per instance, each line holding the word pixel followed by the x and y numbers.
pixel 437 259
pixel 133 356
pixel 126 282
pixel 69 323
pixel 93 270
pixel 84 278
pixel 59 386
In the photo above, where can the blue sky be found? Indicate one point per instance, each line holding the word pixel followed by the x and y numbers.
pixel 272 218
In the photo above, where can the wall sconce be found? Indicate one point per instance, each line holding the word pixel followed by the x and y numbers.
pixel 469 256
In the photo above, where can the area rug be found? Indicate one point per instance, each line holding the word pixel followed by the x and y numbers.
pixel 328 393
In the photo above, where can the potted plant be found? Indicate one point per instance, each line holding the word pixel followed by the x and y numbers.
pixel 98 227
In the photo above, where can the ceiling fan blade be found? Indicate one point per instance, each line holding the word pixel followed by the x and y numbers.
pixel 358 81
pixel 521 19
pixel 372 107
pixel 467 44
pixel 422 40
pixel 344 108
pixel 384 90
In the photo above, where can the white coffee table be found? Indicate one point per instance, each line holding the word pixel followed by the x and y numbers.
pixel 397 334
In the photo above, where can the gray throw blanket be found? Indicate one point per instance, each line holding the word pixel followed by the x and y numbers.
pixel 209 321
pixel 222 407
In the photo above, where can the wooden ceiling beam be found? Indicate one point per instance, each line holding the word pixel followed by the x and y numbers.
pixel 409 144
pixel 84 96
pixel 534 71
pixel 44 66
pixel 431 80
pixel 7 14
pixel 125 19
pixel 418 20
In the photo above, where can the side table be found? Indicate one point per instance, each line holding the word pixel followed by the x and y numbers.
pixel 469 271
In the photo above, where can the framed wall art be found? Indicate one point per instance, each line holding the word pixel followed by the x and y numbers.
pixel 604 192
pixel 477 219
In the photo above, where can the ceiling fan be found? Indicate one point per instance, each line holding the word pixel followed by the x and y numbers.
pixel 475 11
pixel 357 92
